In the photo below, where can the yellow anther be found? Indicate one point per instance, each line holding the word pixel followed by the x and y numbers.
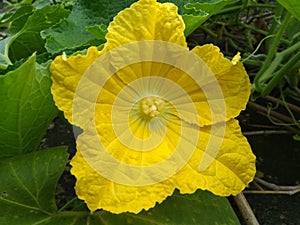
pixel 152 105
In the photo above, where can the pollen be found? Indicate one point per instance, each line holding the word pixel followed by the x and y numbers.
pixel 152 106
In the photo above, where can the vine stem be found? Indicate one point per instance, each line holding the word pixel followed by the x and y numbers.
pixel 279 75
pixel 283 103
pixel 249 5
pixel 271 53
pixel 274 26
pixel 277 60
pixel 245 209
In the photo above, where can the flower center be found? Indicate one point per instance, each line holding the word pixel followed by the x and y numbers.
pixel 152 106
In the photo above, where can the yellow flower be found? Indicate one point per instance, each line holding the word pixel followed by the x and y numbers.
pixel 155 116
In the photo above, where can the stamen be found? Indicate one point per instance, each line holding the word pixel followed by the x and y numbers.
pixel 152 106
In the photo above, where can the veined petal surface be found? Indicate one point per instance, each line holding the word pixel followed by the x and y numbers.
pixel 230 171
pixel 232 78
pixel 66 74
pixel 146 20
pixel 101 193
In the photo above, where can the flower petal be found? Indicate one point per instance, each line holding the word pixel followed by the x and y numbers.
pixel 146 20
pixel 231 76
pixel 133 144
pixel 100 193
pixel 231 170
pixel 66 74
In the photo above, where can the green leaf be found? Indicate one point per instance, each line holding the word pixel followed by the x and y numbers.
pixel 201 208
pixel 79 29
pixel 28 39
pixel 293 31
pixel 27 108
pixel 74 32
pixel 293 6
pixel 196 12
pixel 17 19
pixel 97 31
pixel 28 185
pixel 14 4
pixel 4 60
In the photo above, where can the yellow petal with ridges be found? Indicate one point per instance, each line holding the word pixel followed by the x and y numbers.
pixel 100 193
pixel 135 71
pixel 232 77
pixel 135 155
pixel 146 20
pixel 230 172
pixel 66 74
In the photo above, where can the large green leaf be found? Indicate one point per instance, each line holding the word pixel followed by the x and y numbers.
pixel 17 19
pixel 293 6
pixel 28 185
pixel 73 32
pixel 28 39
pixel 201 208
pixel 27 108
